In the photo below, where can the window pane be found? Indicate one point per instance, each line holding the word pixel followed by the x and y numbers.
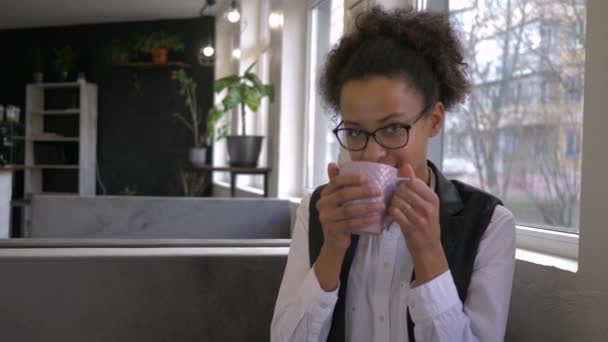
pixel 519 134
pixel 327 25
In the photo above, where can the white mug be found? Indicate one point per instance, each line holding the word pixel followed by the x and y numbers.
pixel 381 176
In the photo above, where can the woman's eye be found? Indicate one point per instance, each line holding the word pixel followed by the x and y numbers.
pixel 354 133
pixel 392 129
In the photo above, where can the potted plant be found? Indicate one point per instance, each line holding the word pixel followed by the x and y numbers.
pixel 202 138
pixel 64 61
pixel 243 91
pixel 193 182
pixel 120 52
pixel 158 44
pixel 35 58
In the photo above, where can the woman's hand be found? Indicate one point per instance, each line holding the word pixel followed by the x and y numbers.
pixel 339 219
pixel 415 206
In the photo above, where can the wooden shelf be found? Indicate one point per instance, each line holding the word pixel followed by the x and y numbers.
pixel 53 193
pixel 150 65
pixel 57 85
pixel 56 167
pixel 73 111
pixel 49 139
pixel 12 167
pixel 233 169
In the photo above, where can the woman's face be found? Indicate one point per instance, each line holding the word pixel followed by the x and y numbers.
pixel 380 102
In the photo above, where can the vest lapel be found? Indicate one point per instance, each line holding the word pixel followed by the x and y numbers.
pixel 450 211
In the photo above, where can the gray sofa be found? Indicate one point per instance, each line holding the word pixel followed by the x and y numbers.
pixel 158 218
pixel 106 293
pixel 144 269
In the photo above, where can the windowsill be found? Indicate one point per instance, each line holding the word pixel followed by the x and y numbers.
pixel 544 259
pixel 538 246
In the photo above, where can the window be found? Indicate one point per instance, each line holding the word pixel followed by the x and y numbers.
pixel 573 144
pixel 576 34
pixel 326 24
pixel 520 131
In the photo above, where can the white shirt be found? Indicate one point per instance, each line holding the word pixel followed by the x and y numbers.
pixel 379 291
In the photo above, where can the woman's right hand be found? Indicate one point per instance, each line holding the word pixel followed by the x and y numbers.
pixel 337 218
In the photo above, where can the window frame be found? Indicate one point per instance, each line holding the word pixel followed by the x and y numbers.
pixel 545 241
pixel 311 127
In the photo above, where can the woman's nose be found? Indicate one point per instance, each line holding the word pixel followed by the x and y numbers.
pixel 373 151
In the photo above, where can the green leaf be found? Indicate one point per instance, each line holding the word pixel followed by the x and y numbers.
pixel 214 115
pixel 222 132
pixel 263 89
pixel 254 79
pixel 268 90
pixel 252 98
pixel 232 99
pixel 225 82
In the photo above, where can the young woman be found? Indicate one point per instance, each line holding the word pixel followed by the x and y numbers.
pixel 443 269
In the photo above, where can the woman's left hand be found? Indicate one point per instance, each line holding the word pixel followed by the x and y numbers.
pixel 415 206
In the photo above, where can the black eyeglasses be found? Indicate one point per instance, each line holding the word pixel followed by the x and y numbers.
pixel 390 137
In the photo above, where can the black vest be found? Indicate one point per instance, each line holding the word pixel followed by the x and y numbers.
pixel 465 213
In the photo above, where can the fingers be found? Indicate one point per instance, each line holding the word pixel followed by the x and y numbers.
pixel 406 170
pixel 341 181
pixel 420 188
pixel 400 217
pixel 351 193
pixel 410 209
pixel 332 170
pixel 336 214
pixel 354 224
pixel 417 185
pixel 352 211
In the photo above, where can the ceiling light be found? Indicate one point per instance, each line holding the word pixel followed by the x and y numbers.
pixel 275 20
pixel 208 51
pixel 233 14
pixel 236 53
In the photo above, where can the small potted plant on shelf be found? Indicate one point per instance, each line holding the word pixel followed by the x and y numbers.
pixel 244 91
pixel 158 45
pixel 120 52
pixel 35 59
pixel 202 136
pixel 64 61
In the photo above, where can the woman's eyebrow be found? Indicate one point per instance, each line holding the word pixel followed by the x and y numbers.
pixel 383 120
pixel 350 123
pixel 391 116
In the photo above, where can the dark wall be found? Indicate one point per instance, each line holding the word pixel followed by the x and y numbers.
pixel 140 144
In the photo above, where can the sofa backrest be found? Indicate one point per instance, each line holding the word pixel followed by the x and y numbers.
pixel 158 217
pixel 139 294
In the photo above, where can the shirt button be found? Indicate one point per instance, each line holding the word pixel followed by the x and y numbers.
pixel 381 318
pixel 323 305
pixel 386 264
pixel 353 309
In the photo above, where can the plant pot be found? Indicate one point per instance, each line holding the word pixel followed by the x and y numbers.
pixel 244 150
pixel 38 77
pixel 198 156
pixel 160 56
pixel 63 76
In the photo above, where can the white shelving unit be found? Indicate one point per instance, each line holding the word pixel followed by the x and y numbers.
pixel 86 140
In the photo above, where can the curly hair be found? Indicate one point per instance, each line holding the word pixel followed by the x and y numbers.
pixel 421 47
